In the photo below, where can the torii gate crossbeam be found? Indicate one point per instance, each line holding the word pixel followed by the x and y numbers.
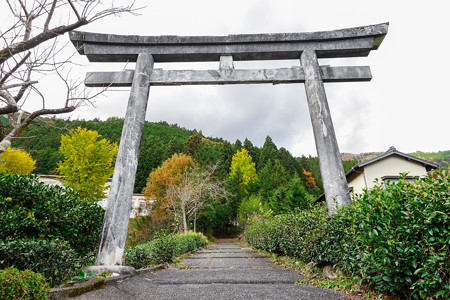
pixel 145 50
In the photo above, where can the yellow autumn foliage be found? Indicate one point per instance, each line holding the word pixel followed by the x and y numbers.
pixel 16 161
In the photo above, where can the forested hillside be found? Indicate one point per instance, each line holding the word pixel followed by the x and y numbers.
pixel 442 158
pixel 160 141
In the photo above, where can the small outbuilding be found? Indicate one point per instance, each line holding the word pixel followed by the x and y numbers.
pixel 387 166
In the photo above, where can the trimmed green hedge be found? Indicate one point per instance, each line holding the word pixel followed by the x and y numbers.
pixel 164 248
pixel 29 209
pixel 394 236
pixel 25 285
pixel 47 229
pixel 54 259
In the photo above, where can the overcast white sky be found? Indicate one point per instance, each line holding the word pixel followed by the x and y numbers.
pixel 406 104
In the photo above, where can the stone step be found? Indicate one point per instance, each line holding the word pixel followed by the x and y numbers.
pixel 212 255
pixel 224 276
pixel 228 263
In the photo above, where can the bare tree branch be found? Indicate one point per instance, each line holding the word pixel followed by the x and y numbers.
pixel 16 48
pixel 50 15
pixel 195 191
pixel 75 10
pixel 30 50
pixel 22 84
pixel 15 68
pixel 11 106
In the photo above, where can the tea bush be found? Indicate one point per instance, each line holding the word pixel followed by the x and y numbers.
pixel 25 285
pixel 396 237
pixel 164 248
pixel 53 259
pixel 189 242
pixel 400 240
pixel 32 210
pixel 264 233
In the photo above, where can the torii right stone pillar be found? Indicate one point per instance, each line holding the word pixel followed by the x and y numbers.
pixel 333 177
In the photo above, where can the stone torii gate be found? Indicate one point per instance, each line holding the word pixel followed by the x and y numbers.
pixel 145 50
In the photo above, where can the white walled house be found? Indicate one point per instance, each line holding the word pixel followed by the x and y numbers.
pixel 385 167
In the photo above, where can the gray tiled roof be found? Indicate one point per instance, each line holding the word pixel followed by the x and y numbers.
pixel 392 151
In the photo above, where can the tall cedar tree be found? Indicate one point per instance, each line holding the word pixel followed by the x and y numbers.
pixel 268 152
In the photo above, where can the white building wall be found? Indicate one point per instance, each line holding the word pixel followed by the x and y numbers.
pixel 389 166
pixel 392 166
pixel 357 183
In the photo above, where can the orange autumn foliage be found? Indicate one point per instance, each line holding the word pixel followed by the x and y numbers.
pixel 310 181
pixel 165 176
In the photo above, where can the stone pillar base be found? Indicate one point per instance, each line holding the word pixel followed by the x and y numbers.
pixel 119 270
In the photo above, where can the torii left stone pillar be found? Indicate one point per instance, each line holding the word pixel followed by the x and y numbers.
pixel 117 216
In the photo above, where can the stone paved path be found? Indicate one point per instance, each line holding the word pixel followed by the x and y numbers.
pixel 225 270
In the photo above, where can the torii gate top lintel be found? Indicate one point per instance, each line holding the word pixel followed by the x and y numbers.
pixel 350 42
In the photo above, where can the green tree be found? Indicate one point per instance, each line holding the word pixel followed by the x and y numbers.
pixel 290 196
pixel 225 157
pixel 87 163
pixel 150 157
pixel 242 170
pixel 16 161
pixel 287 161
pixel 271 177
pixel 174 145
pixel 192 144
pixel 237 145
pixel 251 207
pixel 207 153
pixel 268 152
pixel 252 151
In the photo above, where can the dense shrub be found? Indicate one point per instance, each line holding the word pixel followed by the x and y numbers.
pixel 294 234
pixel 31 210
pixel 264 233
pixel 164 248
pixel 25 285
pixel 251 207
pixel 189 242
pixel 52 258
pixel 402 235
pixel 395 236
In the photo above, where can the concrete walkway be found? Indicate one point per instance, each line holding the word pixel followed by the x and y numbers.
pixel 224 270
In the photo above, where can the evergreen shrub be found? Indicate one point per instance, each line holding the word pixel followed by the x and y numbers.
pixel 30 209
pixel 47 229
pixel 294 234
pixel 398 237
pixel 54 259
pixel 24 285
pixel 395 237
pixel 189 241
pixel 163 249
